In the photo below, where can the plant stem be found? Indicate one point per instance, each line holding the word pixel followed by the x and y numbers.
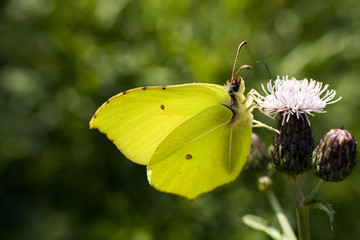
pixel 284 223
pixel 313 195
pixel 302 211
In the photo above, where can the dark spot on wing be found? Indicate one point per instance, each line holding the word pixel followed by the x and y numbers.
pixel 163 87
pixel 107 101
pixel 188 156
pixel 144 88
pixel 94 116
pixel 124 92
pixel 162 107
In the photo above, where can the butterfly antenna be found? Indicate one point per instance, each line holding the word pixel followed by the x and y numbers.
pixel 233 75
pixel 266 66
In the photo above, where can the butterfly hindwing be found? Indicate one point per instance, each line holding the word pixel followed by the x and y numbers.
pixel 202 153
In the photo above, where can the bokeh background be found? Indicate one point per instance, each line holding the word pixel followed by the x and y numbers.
pixel 61 59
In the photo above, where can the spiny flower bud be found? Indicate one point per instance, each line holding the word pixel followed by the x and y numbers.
pixel 258 158
pixel 293 146
pixel 334 157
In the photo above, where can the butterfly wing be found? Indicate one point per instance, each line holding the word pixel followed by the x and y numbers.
pixel 138 120
pixel 202 153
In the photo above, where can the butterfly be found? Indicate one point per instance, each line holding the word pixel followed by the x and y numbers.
pixel 192 137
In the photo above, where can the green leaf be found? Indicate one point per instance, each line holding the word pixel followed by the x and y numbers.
pixel 326 207
pixel 261 224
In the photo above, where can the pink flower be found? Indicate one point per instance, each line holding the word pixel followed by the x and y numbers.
pixel 295 97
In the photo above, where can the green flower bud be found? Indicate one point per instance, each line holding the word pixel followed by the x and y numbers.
pixel 334 157
pixel 264 183
pixel 293 146
pixel 258 158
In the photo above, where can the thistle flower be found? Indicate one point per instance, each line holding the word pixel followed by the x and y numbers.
pixel 334 157
pixel 290 97
pixel 294 100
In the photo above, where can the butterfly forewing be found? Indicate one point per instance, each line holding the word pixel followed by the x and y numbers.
pixel 137 121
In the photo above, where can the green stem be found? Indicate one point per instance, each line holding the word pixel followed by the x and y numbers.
pixel 284 223
pixel 315 193
pixel 302 211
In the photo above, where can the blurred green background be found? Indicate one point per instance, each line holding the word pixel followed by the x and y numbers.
pixel 61 59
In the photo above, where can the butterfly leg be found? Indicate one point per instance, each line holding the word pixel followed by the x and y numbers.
pixel 249 98
pixel 253 94
pixel 260 124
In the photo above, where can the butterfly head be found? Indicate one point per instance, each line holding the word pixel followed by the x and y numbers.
pixel 236 83
pixel 236 86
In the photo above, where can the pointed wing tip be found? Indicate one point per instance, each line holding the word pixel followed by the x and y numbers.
pixel 92 125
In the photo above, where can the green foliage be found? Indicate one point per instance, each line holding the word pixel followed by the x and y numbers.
pixel 325 207
pixel 61 59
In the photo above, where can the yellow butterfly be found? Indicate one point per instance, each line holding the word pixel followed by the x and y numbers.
pixel 192 137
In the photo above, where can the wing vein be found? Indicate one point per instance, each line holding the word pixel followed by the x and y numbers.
pixel 230 149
